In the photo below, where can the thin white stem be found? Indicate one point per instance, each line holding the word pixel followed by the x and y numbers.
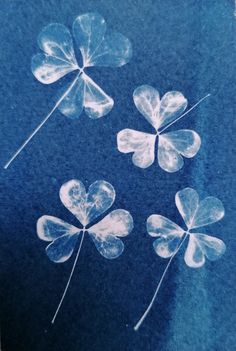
pixel 18 151
pixel 71 274
pixel 137 326
pixel 184 114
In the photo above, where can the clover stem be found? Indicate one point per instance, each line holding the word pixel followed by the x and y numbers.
pixel 184 114
pixel 70 276
pixel 137 326
pixel 18 151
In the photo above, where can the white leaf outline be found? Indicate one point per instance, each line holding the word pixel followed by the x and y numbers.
pixel 51 49
pixel 190 212
pixel 150 106
pixel 118 223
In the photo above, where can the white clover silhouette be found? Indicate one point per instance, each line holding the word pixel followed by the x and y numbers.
pixel 170 237
pixel 98 48
pixel 161 114
pixel 86 207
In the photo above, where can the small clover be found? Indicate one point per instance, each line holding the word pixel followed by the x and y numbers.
pixel 98 47
pixel 161 114
pixel 171 237
pixel 86 207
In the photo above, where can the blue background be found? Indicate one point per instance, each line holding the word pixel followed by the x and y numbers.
pixel 177 45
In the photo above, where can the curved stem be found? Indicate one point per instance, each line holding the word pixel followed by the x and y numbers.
pixel 68 282
pixel 137 326
pixel 184 114
pixel 18 151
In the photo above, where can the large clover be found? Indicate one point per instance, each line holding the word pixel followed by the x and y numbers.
pixel 171 237
pixel 87 207
pixel 161 114
pixel 97 46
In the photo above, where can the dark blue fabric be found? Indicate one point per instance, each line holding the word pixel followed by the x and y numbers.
pixel 177 45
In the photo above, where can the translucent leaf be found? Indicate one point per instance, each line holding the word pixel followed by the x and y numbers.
pixel 73 102
pixel 116 223
pixel 50 228
pixel 55 40
pixel 158 225
pixel 172 146
pixel 168 233
pixel 98 49
pixel 100 198
pixel 210 210
pixel 194 257
pixel 198 214
pixel 87 207
pixel 59 58
pixel 61 249
pixel 213 248
pixel 109 247
pixel 169 158
pixel 48 69
pixel 187 201
pixel 141 144
pixel 147 101
pixel 201 245
pixel 114 51
pixel 85 94
pixel 186 142
pixel 89 30
pixel 96 102
pixel 172 106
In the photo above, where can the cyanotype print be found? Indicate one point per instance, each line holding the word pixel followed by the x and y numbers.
pixel 97 47
pixel 171 237
pixel 161 114
pixel 137 103
pixel 86 207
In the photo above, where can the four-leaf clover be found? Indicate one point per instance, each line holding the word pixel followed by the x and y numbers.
pixel 98 47
pixel 86 207
pixel 161 114
pixel 170 237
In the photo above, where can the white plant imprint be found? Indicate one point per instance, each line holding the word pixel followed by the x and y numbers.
pixel 86 207
pixel 97 47
pixel 161 114
pixel 171 237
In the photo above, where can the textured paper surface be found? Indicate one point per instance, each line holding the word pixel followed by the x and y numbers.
pixel 187 46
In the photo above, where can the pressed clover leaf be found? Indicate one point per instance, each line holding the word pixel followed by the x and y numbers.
pixel 98 47
pixel 170 237
pixel 161 114
pixel 86 207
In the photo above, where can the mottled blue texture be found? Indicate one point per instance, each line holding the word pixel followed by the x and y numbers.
pixel 177 45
